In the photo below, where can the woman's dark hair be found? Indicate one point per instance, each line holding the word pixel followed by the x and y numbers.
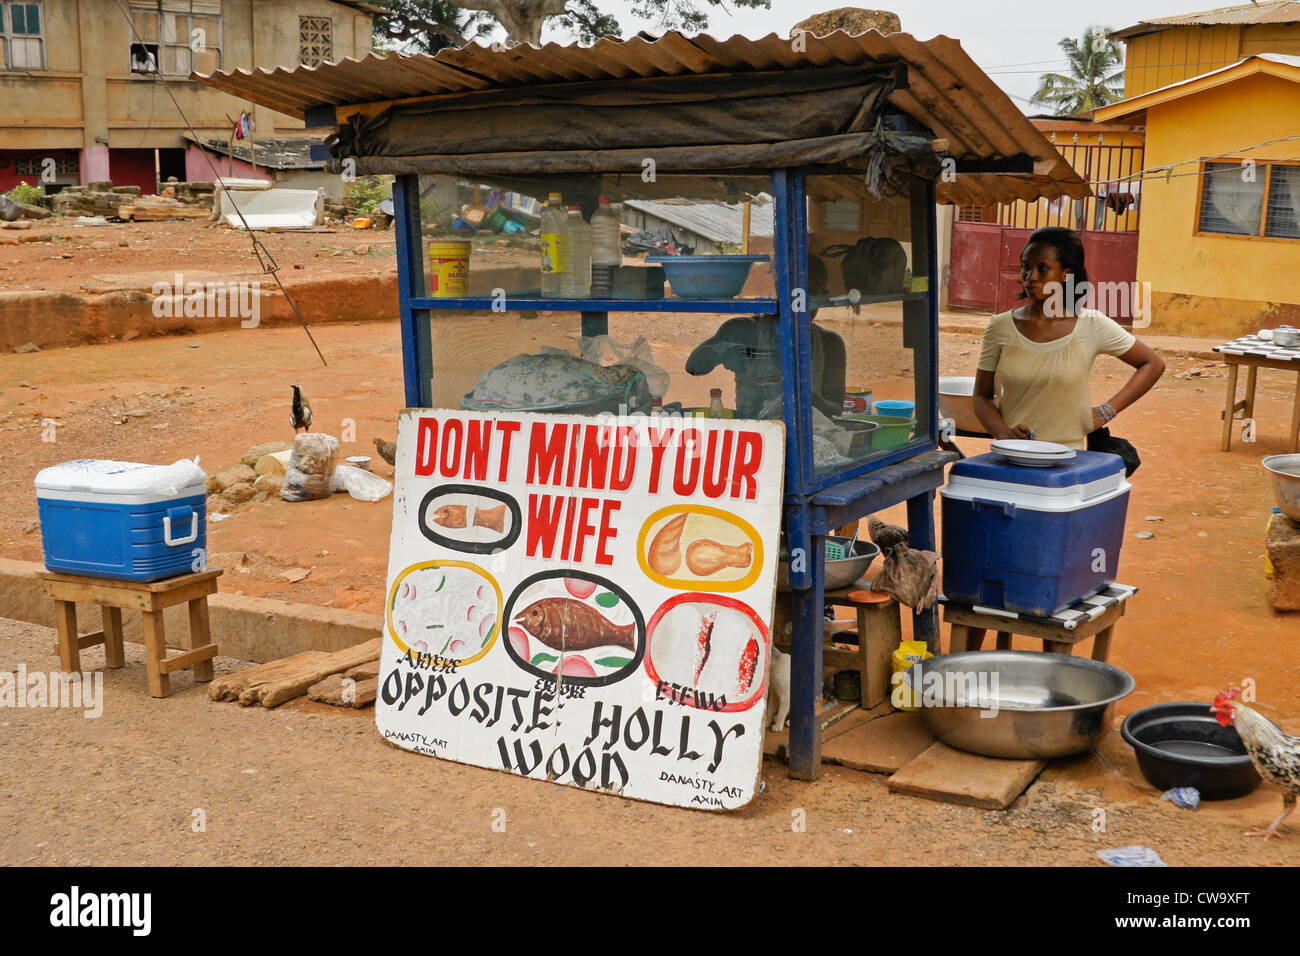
pixel 1069 253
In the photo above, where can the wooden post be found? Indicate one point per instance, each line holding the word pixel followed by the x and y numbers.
pixel 65 618
pixel 200 636
pixel 114 651
pixel 744 229
pixel 1228 407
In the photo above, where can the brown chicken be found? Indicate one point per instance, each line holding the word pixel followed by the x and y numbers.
pixel 387 450
pixel 1275 755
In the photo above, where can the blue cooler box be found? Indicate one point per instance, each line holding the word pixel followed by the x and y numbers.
pixel 124 520
pixel 1032 540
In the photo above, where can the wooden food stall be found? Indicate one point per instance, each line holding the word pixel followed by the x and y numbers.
pixel 844 143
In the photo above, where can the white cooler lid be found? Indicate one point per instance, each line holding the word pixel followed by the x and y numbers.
pixel 101 477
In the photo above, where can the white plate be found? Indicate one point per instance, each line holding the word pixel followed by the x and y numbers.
pixel 1037 449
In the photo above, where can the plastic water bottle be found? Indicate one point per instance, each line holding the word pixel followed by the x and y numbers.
pixel 605 253
pixel 716 408
pixel 553 247
pixel 575 280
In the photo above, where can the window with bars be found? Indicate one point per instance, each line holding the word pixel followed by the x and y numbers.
pixel 175 37
pixel 315 40
pixel 1263 200
pixel 977 214
pixel 22 36
pixel 35 166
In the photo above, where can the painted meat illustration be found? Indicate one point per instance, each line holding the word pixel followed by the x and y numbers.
pixel 450 516
pixel 706 557
pixel 566 624
pixel 745 670
pixel 704 644
pixel 665 555
pixel 494 518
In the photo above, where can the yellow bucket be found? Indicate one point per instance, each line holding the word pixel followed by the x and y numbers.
pixel 448 268
pixel 908 653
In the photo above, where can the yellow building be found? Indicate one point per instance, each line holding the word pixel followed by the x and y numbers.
pixel 1219 95
pixel 80 83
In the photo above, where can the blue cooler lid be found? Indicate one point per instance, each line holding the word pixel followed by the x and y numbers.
pixel 1084 468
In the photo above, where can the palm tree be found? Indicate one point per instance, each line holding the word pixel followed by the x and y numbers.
pixel 1095 78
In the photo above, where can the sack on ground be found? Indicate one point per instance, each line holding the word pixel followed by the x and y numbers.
pixel 310 474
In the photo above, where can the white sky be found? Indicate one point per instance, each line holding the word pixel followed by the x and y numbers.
pixel 1013 41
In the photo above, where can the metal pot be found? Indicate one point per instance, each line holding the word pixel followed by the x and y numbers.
pixel 1286 337
pixel 1047 705
pixel 839 574
pixel 1286 483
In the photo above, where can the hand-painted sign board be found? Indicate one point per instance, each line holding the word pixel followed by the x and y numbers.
pixel 584 600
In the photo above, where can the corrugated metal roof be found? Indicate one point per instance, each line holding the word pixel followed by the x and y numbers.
pixel 720 222
pixel 269 153
pixel 945 90
pixel 1270 11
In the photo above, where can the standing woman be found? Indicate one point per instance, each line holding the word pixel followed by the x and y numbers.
pixel 1038 357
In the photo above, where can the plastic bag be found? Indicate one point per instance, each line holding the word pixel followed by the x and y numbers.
pixel 602 350
pixel 310 474
pixel 361 484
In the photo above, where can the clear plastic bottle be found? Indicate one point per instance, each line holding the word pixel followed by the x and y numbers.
pixel 553 247
pixel 605 253
pixel 575 280
pixel 716 408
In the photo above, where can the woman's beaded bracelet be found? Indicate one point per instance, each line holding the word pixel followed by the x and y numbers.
pixel 1106 411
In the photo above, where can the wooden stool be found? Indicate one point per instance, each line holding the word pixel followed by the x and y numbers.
pixel 879 632
pixel 1056 639
pixel 148 597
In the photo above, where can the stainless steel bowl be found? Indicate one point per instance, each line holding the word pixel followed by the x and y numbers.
pixel 839 574
pixel 1285 470
pixel 1047 705
pixel 957 401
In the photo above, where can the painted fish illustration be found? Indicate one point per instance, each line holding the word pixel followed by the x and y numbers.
pixel 450 516
pixel 566 624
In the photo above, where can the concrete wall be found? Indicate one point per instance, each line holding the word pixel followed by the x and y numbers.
pixel 88 97
pixel 247 628
pixel 1242 280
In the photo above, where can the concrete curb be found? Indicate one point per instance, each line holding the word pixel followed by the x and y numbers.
pixel 247 628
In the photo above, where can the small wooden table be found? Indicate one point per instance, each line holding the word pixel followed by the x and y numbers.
pixel 1056 638
pixel 879 632
pixel 148 597
pixel 1254 353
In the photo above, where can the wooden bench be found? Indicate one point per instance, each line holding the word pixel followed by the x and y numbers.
pixel 151 598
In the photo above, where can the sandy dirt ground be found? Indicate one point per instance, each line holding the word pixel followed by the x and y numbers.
pixel 312 784
pixel 1200 621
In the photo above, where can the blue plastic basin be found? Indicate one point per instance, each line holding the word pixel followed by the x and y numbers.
pixel 706 277
pixel 895 408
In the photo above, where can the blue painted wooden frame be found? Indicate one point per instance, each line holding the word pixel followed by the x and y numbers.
pixel 417 337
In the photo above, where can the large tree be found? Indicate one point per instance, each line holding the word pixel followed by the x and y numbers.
pixel 1094 79
pixel 461 20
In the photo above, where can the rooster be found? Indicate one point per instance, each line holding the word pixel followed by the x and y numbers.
pixel 1275 755
pixel 301 412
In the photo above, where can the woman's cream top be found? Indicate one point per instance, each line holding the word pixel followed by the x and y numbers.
pixel 1044 385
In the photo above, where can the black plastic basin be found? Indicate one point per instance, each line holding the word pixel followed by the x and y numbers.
pixel 1184 745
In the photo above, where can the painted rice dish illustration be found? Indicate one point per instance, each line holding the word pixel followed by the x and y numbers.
pixel 446 610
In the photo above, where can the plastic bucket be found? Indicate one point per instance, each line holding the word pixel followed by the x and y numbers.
pixel 908 653
pixel 448 268
pixel 896 409
pixel 891 431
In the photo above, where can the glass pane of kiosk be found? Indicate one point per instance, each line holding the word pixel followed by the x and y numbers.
pixel 519 354
pixel 867 269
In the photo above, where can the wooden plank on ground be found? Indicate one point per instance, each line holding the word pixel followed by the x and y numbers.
pixel 364 671
pixel 332 691
pixel 954 776
pixel 879 746
pixel 294 684
pixel 230 686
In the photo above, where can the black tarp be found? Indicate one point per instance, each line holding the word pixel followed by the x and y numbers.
pixel 684 124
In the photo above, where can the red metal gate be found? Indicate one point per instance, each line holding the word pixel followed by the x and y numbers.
pixel 984 271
